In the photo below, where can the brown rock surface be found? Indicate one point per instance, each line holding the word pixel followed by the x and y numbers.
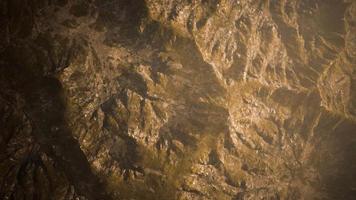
pixel 183 99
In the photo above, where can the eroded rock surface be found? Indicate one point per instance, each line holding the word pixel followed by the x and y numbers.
pixel 184 99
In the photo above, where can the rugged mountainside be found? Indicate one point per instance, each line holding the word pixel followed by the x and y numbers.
pixel 177 99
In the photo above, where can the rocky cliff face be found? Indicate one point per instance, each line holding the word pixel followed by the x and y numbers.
pixel 184 99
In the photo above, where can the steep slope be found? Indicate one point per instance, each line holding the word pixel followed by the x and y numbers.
pixel 185 99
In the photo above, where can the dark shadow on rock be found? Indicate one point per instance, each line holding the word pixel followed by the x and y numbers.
pixel 45 107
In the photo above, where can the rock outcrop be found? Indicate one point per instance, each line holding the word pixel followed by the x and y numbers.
pixel 184 99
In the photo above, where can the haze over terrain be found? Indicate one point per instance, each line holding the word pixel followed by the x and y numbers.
pixel 177 99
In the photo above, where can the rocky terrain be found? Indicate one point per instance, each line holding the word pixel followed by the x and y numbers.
pixel 177 99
